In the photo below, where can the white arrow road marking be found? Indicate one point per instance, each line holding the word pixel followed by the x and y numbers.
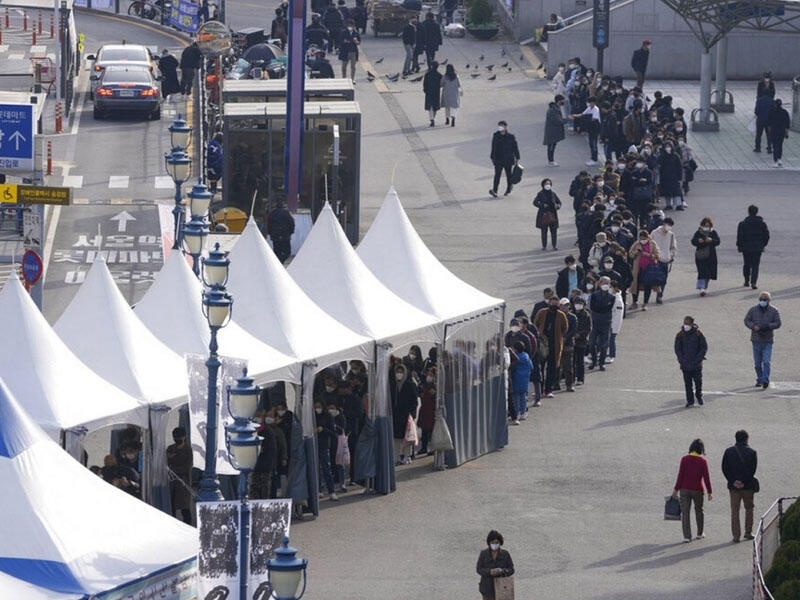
pixel 122 220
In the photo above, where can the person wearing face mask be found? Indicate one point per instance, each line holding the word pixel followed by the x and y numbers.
pixel 349 41
pixel 179 460
pixel 559 81
pixel 705 240
pixel 430 33
pixel 352 408
pixel 548 203
pixel 616 320
pixel 554 128
pixel 765 86
pixel 641 190
pixel 327 391
pixel 404 405
pixel 271 457
pixel 752 236
pixel 413 362
pixel 569 278
pixel 643 254
pixel 665 239
pixel 357 376
pixel 284 419
pixel 325 439
pixel 583 329
pixel 552 324
pixel 519 379
pixel 599 251
pixel 129 456
pixel 493 562
pixel 568 352
pixel 639 62
pixel 690 349
pixel 504 156
pixel 609 129
pixel 431 85
pixel 427 409
pixel 670 169
pixel 778 123
pixel 591 122
pixel 339 429
pixel 607 269
pixel 633 125
pixel 333 21
pixel 762 320
pixel 601 303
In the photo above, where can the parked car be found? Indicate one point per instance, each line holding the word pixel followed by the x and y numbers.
pixel 114 54
pixel 127 89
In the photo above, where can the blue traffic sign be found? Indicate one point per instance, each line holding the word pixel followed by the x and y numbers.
pixel 16 137
pixel 32 267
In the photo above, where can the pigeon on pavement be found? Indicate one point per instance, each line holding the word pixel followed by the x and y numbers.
pixel 393 78
pixel 370 76
pixel 474 75
pixel 493 77
pixel 379 61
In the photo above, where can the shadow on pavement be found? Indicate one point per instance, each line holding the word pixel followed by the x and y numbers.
pixel 639 418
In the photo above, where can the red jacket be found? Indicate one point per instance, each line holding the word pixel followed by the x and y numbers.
pixel 692 473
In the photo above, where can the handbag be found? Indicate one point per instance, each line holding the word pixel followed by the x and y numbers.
pixel 342 451
pixel 411 431
pixel 672 509
pixel 516 174
pixel 702 253
pixel 548 218
pixel 504 588
pixel 654 274
pixel 441 440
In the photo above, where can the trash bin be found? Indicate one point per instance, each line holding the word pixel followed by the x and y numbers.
pixel 796 104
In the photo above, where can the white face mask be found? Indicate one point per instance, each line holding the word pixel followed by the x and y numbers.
pixel 333 413
pixel 687 327
pixel 621 166
pixel 679 129
pixel 599 184
pixel 571 66
pixel 706 229
pixel 560 69
pixel 494 546
pixel 130 456
pixel 573 267
pixel 589 286
pixel 666 227
pixel 547 186
pixel 604 287
pixel 500 128
pixel 615 228
pixel 269 420
pixel 318 411
pixel 578 306
pixel 329 388
pixel 639 165
pixel 281 412
pixel 608 266
pixel 668 150
pixel 515 329
pixel 412 356
pixel 399 376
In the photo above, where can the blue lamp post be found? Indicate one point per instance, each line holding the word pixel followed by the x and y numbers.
pixel 179 168
pixel 194 232
pixel 179 134
pixel 243 446
pixel 217 306
pixel 285 571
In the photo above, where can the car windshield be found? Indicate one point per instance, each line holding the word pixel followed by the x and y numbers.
pixel 111 54
pixel 127 76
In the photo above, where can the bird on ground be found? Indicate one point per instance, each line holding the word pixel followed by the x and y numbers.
pixel 393 78
pixel 505 64
pixel 510 69
pixel 475 67
pixel 493 77
pixel 474 75
pixel 489 67
pixel 416 79
pixel 522 57
pixel 370 76
pixel 480 57
pixel 503 51
pixel 539 67
pixel 467 67
pixel 379 61
pixel 444 62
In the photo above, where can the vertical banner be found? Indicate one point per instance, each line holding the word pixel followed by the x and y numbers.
pixel 184 16
pixel 269 523
pixel 218 557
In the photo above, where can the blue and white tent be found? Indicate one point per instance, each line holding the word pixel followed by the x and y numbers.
pixel 66 531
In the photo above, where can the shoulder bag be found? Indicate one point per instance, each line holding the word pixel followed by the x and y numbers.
pixel 504 588
pixel 441 440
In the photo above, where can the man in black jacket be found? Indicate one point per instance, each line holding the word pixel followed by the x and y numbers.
pixel 431 34
pixel 280 227
pixel 752 236
pixel 601 303
pixel 690 350
pixel 778 125
pixel 739 464
pixel 639 62
pixel 505 155
pixel 411 63
pixel 191 59
pixel 569 278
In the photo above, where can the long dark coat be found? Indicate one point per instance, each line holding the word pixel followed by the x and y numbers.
pixel 486 563
pixel 431 85
pixel 404 403
pixel 168 66
pixel 553 125
pixel 707 267
pixel 670 171
pixel 546 201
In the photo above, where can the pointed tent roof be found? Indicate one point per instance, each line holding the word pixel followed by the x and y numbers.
pixel 271 306
pixel 102 330
pixel 394 252
pixel 56 389
pixel 172 310
pixel 53 538
pixel 330 272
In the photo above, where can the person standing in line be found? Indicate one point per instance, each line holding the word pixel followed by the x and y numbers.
pixel 493 562
pixel 568 353
pixel 582 332
pixel 548 203
pixel 762 320
pixel 348 49
pixel 520 374
pixel 778 123
pixel 690 349
pixel 569 278
pixel 191 59
pixel 639 62
pixel 752 236
pixel 504 156
pixel 554 128
pixel 552 324
pixel 667 244
pixel 179 460
pixel 431 34
pixel 601 303
pixel 451 95
pixel 739 464
pixel 410 64
pixel 692 476
pixel 705 240
pixel 617 315
pixel 431 85
pixel 591 122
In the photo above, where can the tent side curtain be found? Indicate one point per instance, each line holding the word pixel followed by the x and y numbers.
pixel 473 395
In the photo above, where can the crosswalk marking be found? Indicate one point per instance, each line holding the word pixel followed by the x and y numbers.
pixel 38 50
pixel 118 181
pixel 73 181
pixel 164 182
pixel 15 56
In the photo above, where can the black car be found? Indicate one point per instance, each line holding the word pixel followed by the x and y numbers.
pixel 125 90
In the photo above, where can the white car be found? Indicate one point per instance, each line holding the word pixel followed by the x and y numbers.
pixel 116 54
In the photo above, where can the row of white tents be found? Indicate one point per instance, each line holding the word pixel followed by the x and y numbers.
pixel 103 364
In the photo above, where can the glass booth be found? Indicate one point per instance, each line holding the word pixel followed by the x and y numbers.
pixel 254 138
pixel 274 90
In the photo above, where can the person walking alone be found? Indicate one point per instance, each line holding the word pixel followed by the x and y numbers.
pixel 431 85
pixel 349 41
pixel 493 562
pixel 554 128
pixel 410 64
pixel 705 240
pixel 191 59
pixel 690 349
pixel 639 62
pixel 548 203
pixel 504 156
pixel 693 475
pixel 762 320
pixel 451 95
pixel 431 35
pixel 739 465
pixel 752 236
pixel 778 123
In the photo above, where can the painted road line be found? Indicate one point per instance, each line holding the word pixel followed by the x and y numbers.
pixel 118 181
pixel 73 181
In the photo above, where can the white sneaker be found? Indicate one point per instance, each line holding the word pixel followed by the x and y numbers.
pixel 586 360
pixel 515 422
pixel 609 360
pixel 777 165
pixel 592 163
pixel 552 163
pixel 537 403
pixel 523 417
pixel 780 163
pixel 334 497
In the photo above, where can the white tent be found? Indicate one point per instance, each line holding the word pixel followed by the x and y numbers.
pixel 56 389
pixel 102 330
pixel 65 529
pixel 11 587
pixel 394 252
pixel 172 310
pixel 329 271
pixel 271 306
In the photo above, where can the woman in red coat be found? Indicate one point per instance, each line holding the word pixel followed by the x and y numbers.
pixel 427 409
pixel 692 474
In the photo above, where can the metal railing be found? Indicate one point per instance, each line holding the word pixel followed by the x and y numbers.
pixel 766 543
